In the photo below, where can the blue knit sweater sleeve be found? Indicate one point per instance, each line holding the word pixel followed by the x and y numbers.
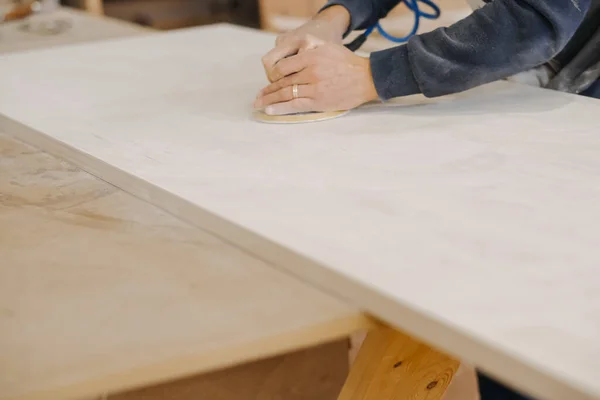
pixel 501 39
pixel 365 13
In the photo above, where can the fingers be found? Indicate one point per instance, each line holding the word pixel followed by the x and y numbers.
pixel 287 47
pixel 300 78
pixel 291 107
pixel 284 94
pixel 282 50
pixel 288 66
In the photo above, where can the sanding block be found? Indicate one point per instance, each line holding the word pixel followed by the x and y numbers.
pixel 298 118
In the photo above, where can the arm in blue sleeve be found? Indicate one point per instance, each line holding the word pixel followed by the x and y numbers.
pixel 364 13
pixel 498 40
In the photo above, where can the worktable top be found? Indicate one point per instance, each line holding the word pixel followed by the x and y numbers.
pixel 100 291
pixel 469 221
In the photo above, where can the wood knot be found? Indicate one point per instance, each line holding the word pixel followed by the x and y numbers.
pixel 432 385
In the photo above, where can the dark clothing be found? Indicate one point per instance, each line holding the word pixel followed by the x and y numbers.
pixel 492 390
pixel 501 39
pixel 593 91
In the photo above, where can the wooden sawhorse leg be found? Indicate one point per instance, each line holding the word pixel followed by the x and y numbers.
pixel 389 366
pixel 393 366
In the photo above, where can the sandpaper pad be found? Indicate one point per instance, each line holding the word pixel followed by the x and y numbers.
pixel 298 118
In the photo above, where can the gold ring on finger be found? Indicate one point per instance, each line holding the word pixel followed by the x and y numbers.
pixel 295 91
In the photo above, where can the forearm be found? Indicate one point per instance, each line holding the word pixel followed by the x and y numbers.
pixel 499 40
pixel 336 16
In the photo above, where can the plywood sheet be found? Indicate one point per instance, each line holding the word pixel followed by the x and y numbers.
pixel 101 292
pixel 469 221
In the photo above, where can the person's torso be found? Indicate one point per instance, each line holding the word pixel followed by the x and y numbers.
pixel 565 71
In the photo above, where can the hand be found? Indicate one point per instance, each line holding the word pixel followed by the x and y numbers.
pixel 329 26
pixel 329 77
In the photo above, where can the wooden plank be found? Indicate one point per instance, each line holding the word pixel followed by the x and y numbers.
pixel 449 218
pixel 95 7
pixel 317 373
pixel 100 291
pixel 391 365
pixel 464 384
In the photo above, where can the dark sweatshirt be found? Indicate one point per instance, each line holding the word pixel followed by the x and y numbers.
pixel 501 39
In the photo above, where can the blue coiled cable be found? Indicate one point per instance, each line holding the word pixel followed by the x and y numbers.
pixel 412 5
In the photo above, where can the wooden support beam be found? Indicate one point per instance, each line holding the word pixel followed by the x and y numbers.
pixel 393 366
pixel 95 7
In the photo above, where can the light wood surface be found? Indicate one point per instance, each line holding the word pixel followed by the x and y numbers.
pixel 463 386
pixel 393 366
pixel 317 373
pixel 466 221
pixel 100 291
pixel 83 28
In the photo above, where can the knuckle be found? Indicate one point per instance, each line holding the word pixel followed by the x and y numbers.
pixel 275 72
pixel 281 38
pixel 282 83
pixel 269 89
pixel 265 60
pixel 307 39
pixel 273 87
pixel 283 69
pixel 280 95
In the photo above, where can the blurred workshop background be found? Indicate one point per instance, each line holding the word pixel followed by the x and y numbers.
pixel 57 17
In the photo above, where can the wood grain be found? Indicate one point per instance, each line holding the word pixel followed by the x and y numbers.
pixel 393 366
pixel 317 373
pixel 100 291
pixel 463 220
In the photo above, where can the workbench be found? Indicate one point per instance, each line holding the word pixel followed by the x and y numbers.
pixel 104 295
pixel 100 290
pixel 71 242
pixel 140 297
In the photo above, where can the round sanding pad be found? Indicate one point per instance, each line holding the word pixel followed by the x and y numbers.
pixel 299 118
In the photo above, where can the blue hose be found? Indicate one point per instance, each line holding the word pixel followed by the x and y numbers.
pixel 412 5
